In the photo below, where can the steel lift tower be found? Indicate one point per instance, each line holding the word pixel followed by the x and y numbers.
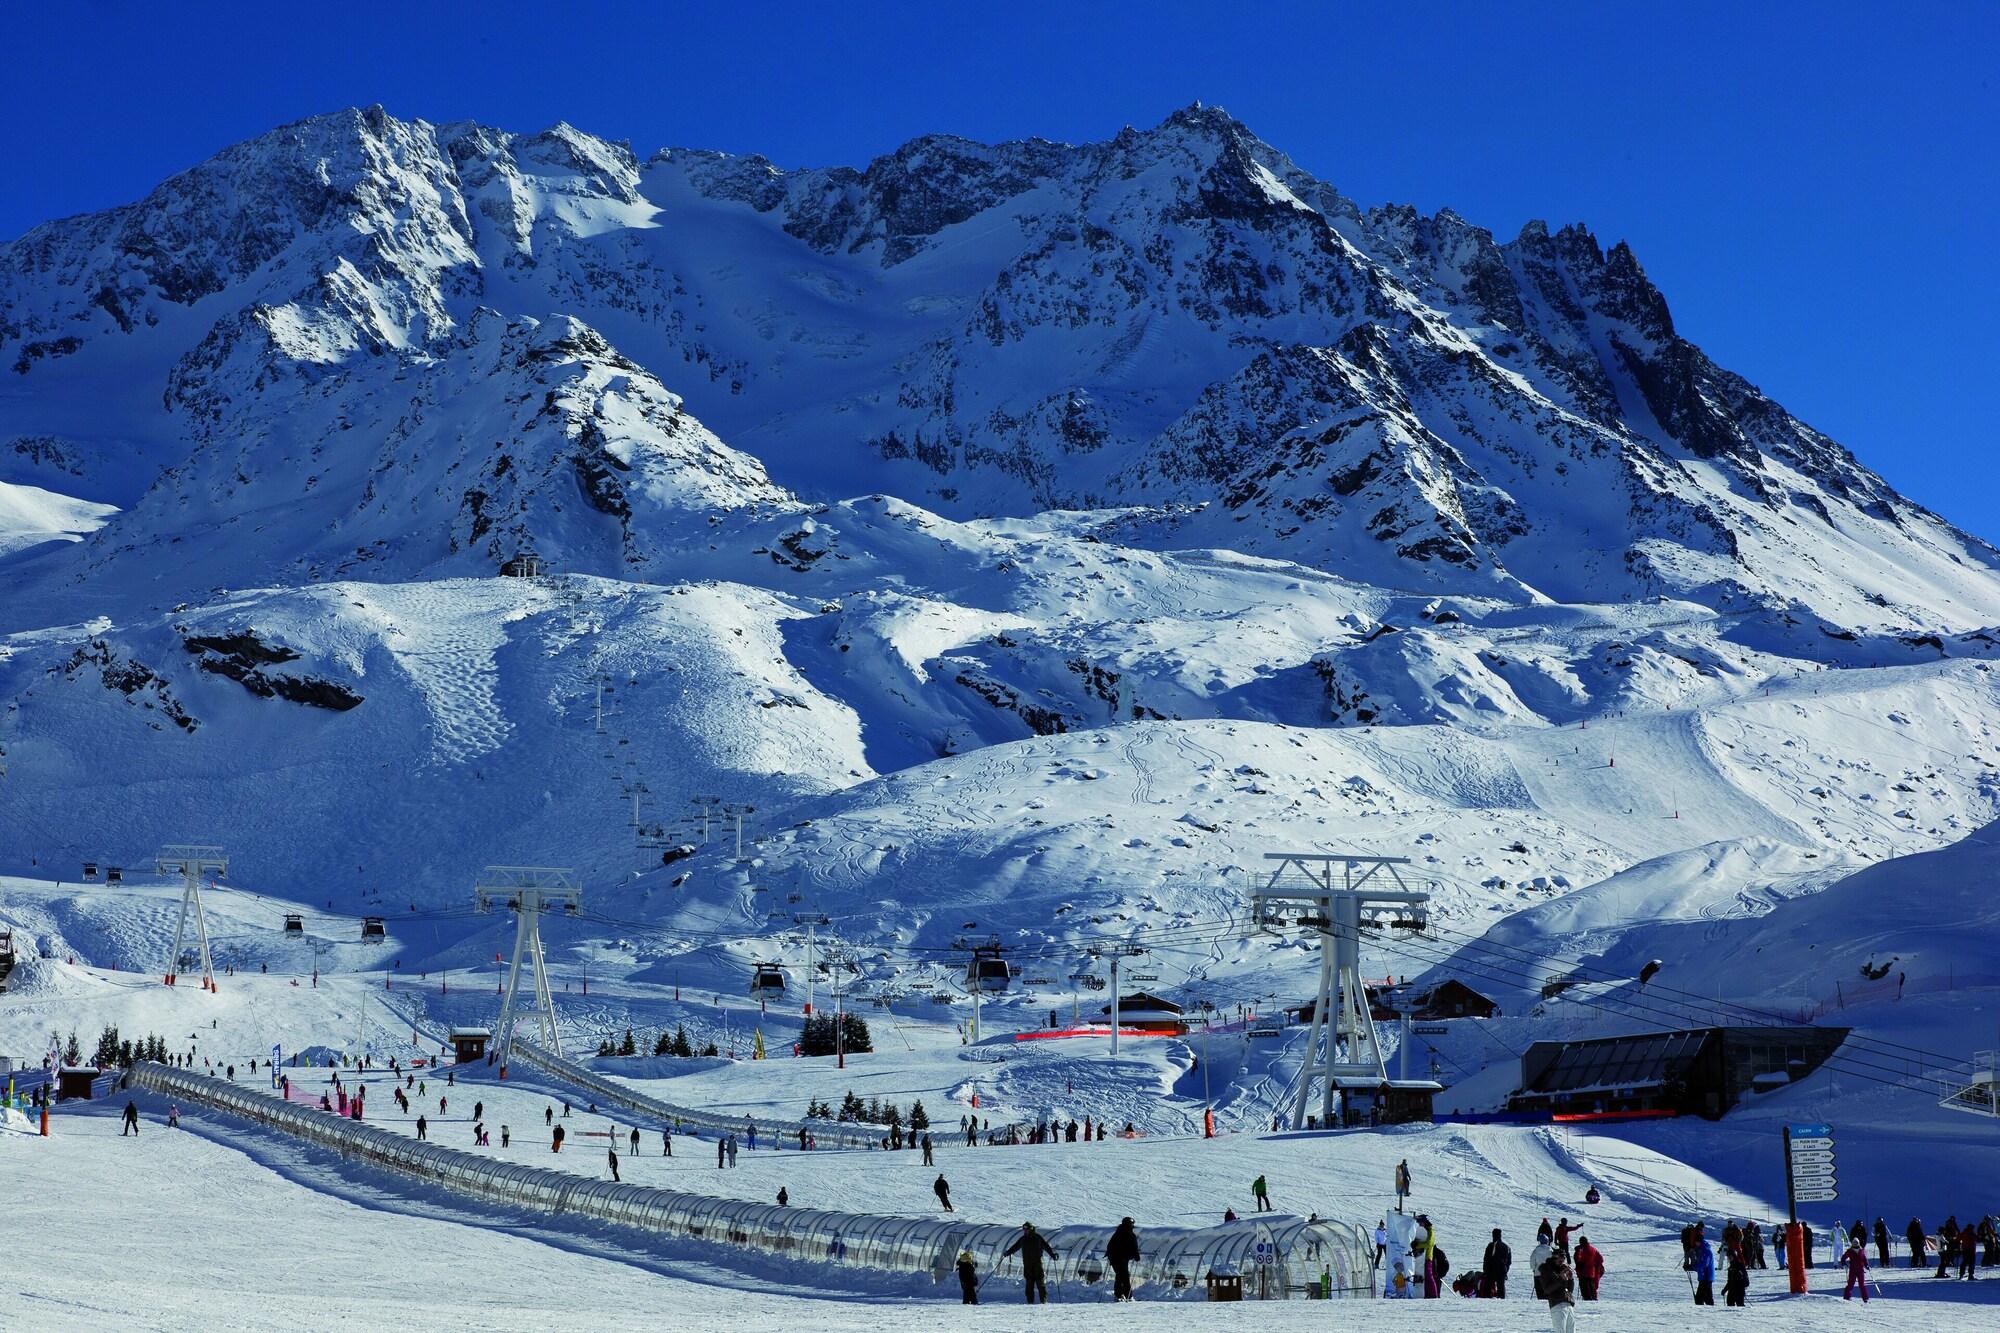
pixel 527 892
pixel 1339 896
pixel 191 862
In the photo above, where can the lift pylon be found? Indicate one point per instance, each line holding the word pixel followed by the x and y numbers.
pixel 1337 896
pixel 190 861
pixel 528 891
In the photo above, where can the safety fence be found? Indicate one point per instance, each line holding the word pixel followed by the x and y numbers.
pixel 1273 1258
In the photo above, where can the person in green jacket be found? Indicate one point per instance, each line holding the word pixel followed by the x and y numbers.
pixel 1262 1194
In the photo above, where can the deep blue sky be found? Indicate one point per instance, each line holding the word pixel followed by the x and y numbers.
pixel 1813 186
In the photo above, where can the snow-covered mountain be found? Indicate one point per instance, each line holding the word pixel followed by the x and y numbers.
pixel 1034 534
pixel 1177 319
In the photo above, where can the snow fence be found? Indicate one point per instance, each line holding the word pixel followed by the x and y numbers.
pixel 1274 1258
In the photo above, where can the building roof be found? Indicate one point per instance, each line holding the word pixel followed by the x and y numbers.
pixel 1644 1060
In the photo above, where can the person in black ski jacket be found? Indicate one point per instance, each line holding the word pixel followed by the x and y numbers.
pixel 1882 1242
pixel 1494 1266
pixel 423 1128
pixel 968 1279
pixel 131 1119
pixel 1555 1283
pixel 1031 1247
pixel 942 1188
pixel 612 1155
pixel 1121 1252
pixel 927 1151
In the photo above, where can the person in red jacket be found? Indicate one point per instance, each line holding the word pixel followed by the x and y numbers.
pixel 1589 1268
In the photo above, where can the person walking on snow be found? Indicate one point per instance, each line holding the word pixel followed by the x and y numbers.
pixel 1031 1247
pixel 1554 1283
pixel 1881 1243
pixel 1856 1260
pixel 1589 1268
pixel 612 1154
pixel 1494 1265
pixel 721 1153
pixel 423 1128
pixel 1704 1271
pixel 732 1150
pixel 1121 1252
pixel 1262 1194
pixel 635 1140
pixel 555 1139
pixel 503 1136
pixel 942 1188
pixel 131 1119
pixel 927 1151
pixel 173 1116
pixel 666 1142
pixel 968 1279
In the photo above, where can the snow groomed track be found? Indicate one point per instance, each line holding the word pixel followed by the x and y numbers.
pixel 1277 1257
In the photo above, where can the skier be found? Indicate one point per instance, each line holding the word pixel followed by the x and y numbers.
pixel 131 1119
pixel 1856 1260
pixel 612 1155
pixel 1914 1233
pixel 968 1279
pixel 1031 1247
pixel 1494 1265
pixel 1262 1195
pixel 927 1151
pixel 173 1116
pixel 1882 1242
pixel 942 1188
pixel 635 1140
pixel 1704 1270
pixel 1589 1268
pixel 1968 1247
pixel 441 1103
pixel 423 1128
pixel 548 1115
pixel 972 1135
pixel 1555 1283
pixel 555 1139
pixel 1121 1252
pixel 1737 1284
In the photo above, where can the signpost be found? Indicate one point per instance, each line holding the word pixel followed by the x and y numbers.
pixel 1809 1178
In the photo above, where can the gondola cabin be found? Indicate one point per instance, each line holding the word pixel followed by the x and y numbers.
pixel 988 971
pixel 114 875
pixel 294 924
pixel 767 981
pixel 371 929
pixel 90 870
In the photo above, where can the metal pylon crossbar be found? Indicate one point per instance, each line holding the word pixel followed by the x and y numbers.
pixel 528 891
pixel 191 861
pixel 1337 896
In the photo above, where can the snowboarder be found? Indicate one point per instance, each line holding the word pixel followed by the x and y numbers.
pixel 1589 1268
pixel 968 1279
pixel 1555 1283
pixel 612 1155
pixel 1262 1194
pixel 423 1128
pixel 1495 1263
pixel 1704 1270
pixel 1856 1260
pixel 1031 1246
pixel 1121 1252
pixel 131 1119
pixel 942 1188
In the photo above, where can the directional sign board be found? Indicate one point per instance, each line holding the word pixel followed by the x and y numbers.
pixel 1809 1161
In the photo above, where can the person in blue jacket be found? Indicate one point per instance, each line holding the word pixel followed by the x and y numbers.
pixel 1704 1272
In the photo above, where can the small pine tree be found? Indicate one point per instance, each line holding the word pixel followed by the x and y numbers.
pixel 854 1034
pixel 156 1048
pixel 892 1115
pixel 107 1049
pixel 663 1044
pixel 125 1056
pixel 629 1047
pixel 710 1049
pixel 604 1046
pixel 874 1113
pixel 682 1046
pixel 73 1052
pixel 851 1109
pixel 919 1117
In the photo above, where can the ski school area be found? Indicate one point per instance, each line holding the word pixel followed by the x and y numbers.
pixel 394 1149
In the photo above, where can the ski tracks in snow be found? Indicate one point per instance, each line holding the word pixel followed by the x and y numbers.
pixel 447 637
